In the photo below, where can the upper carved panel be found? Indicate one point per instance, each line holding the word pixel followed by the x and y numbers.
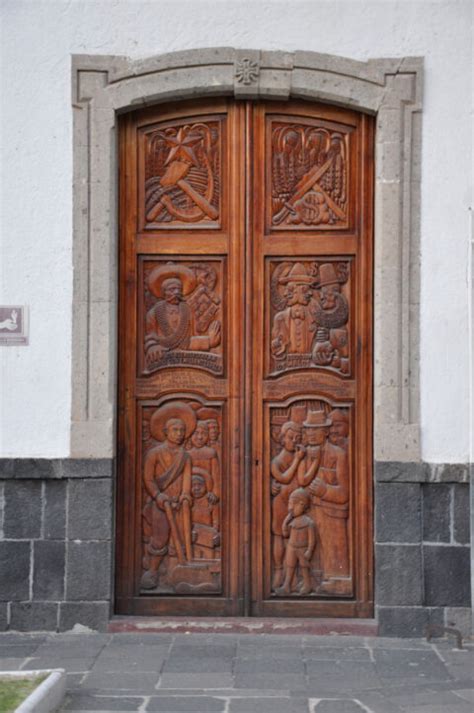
pixel 309 315
pixel 309 176
pixel 182 315
pixel 182 175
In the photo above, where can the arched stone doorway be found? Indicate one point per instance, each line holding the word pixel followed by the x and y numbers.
pixel 104 87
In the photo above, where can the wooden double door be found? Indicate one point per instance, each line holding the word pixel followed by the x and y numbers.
pixel 245 360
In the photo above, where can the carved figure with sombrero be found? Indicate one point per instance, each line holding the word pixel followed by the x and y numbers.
pixel 293 328
pixel 169 323
pixel 167 482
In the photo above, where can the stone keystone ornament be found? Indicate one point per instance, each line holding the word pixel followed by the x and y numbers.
pixel 247 71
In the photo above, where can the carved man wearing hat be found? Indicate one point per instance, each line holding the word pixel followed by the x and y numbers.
pixel 167 481
pixel 293 327
pixel 339 428
pixel 169 323
pixel 331 314
pixel 327 478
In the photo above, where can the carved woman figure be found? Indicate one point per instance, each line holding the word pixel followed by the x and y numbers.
pixel 284 467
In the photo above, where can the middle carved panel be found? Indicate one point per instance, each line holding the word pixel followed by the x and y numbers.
pixel 309 315
pixel 182 306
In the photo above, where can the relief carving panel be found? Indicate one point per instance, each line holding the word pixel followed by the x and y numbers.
pixel 310 494
pixel 181 495
pixel 182 315
pixel 309 315
pixel 182 174
pixel 309 176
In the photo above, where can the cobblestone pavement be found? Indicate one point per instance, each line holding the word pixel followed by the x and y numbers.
pixel 226 673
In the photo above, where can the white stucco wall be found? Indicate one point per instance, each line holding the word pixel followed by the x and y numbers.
pixel 37 39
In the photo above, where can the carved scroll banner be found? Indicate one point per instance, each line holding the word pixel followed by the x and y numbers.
pixel 181 497
pixel 309 312
pixel 308 176
pixel 182 306
pixel 310 484
pixel 182 170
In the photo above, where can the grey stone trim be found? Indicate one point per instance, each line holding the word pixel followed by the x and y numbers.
pixel 62 468
pixel 407 622
pixel 33 616
pixel 55 468
pixel 421 472
pixel 94 615
pixel 56 548
pixel 103 86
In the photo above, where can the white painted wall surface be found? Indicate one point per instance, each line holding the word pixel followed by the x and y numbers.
pixel 37 39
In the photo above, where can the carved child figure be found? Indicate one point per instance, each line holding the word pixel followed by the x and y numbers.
pixel 205 520
pixel 300 530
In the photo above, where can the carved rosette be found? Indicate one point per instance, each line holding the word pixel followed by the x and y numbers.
pixel 182 315
pixel 309 315
pixel 310 500
pixel 309 176
pixel 183 175
pixel 181 498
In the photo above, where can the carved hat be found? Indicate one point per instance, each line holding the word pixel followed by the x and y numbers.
pixel 168 271
pixel 298 275
pixel 338 415
pixel 328 275
pixel 206 414
pixel 316 419
pixel 298 413
pixel 173 409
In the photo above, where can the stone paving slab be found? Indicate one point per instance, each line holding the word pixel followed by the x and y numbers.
pixel 241 673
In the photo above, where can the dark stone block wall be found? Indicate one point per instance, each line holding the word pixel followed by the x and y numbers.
pixel 422 552
pixel 56 545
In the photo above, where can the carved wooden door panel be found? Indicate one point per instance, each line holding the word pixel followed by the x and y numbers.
pixel 245 361
pixel 311 412
pixel 180 440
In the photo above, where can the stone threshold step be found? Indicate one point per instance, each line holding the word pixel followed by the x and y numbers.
pixel 243 625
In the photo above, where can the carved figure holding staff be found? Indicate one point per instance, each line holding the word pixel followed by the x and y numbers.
pixel 167 482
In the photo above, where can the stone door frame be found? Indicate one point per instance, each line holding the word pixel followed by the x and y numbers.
pixel 104 86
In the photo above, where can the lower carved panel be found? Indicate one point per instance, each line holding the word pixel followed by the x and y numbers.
pixel 310 500
pixel 181 496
